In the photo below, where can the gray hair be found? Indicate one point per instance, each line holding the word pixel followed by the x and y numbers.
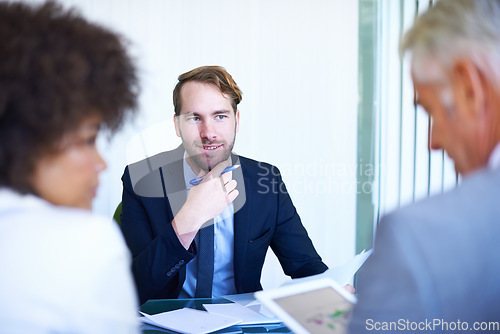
pixel 452 29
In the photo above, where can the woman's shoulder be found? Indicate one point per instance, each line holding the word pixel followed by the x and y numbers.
pixel 37 222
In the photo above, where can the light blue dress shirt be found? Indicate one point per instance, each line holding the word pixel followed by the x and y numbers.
pixel 223 283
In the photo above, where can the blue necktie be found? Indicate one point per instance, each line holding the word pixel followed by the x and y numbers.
pixel 205 274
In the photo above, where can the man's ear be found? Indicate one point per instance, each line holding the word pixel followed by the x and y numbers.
pixel 237 117
pixel 176 124
pixel 469 87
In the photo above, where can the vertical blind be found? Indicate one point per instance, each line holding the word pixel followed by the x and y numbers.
pixel 405 169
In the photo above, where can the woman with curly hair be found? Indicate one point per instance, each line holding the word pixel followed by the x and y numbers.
pixel 62 79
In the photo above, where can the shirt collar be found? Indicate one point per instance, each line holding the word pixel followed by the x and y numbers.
pixel 188 172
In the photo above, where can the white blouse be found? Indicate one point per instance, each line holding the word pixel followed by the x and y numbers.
pixel 62 270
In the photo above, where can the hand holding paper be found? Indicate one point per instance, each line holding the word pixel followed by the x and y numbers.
pixel 341 274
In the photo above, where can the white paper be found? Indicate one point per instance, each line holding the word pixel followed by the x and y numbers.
pixel 241 298
pixel 344 274
pixel 259 308
pixel 340 274
pixel 190 321
pixel 247 316
pixel 248 300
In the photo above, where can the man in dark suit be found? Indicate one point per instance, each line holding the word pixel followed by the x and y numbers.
pixel 435 267
pixel 166 220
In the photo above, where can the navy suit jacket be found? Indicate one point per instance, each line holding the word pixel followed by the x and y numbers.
pixel 154 191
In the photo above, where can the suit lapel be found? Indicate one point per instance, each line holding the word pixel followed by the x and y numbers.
pixel 240 221
pixel 173 180
pixel 239 202
pixel 175 191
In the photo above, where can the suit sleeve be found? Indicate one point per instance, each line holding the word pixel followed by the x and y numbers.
pixel 290 242
pixel 394 283
pixel 157 254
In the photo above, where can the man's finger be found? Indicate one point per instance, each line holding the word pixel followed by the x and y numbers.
pixel 231 196
pixel 215 172
pixel 349 288
pixel 230 186
pixel 226 177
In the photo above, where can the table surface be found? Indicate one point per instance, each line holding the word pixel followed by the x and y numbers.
pixel 155 306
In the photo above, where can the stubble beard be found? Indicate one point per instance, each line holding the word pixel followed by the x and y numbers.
pixel 206 162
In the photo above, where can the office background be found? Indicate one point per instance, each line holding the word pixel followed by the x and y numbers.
pixel 326 98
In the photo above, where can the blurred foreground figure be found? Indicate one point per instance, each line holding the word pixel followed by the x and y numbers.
pixel 63 269
pixel 436 266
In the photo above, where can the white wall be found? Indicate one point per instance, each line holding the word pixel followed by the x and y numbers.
pixel 296 63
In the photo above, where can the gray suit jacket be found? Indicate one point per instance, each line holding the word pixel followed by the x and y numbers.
pixel 436 259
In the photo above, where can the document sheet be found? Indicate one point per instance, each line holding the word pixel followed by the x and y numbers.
pixel 190 321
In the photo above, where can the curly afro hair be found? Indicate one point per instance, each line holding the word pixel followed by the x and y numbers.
pixel 56 69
